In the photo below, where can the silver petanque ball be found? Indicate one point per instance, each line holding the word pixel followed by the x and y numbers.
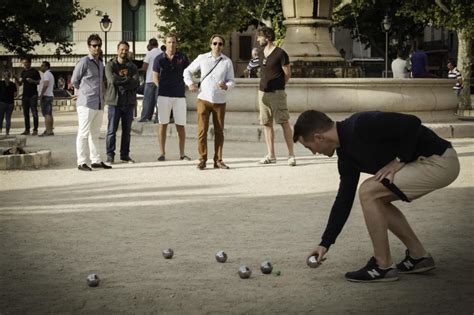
pixel 312 262
pixel 93 280
pixel 244 272
pixel 168 253
pixel 266 267
pixel 221 256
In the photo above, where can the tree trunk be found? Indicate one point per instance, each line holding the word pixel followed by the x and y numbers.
pixel 464 66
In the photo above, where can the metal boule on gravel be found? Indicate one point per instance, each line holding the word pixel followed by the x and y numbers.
pixel 93 280
pixel 168 253
pixel 244 272
pixel 221 256
pixel 312 261
pixel 266 267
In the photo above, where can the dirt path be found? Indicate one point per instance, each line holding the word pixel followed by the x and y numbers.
pixel 57 225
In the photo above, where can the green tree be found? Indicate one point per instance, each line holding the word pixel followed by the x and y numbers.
pixel 456 15
pixel 194 21
pixel 26 24
pixel 364 19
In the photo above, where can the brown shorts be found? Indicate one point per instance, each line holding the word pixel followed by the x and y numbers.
pixel 272 105
pixel 425 175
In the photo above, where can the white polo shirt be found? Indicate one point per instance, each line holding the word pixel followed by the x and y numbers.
pixel 149 59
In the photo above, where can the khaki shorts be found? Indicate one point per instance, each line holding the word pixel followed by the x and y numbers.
pixel 425 175
pixel 272 105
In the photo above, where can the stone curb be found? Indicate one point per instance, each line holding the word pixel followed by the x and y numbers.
pixel 38 159
pixel 254 133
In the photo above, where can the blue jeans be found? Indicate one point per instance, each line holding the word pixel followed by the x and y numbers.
pixel 117 114
pixel 150 97
pixel 30 102
pixel 6 111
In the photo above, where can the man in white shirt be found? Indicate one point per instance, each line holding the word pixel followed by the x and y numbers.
pixel 400 67
pixel 46 98
pixel 217 76
pixel 150 95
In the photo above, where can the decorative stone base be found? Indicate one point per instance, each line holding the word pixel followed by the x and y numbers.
pixel 21 161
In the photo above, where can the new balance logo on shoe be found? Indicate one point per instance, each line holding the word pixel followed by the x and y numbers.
pixel 373 273
pixel 408 264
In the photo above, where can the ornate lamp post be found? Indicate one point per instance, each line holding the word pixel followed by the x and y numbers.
pixel 386 25
pixel 105 26
pixel 134 5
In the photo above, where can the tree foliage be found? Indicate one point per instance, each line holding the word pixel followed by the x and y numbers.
pixel 456 15
pixel 194 21
pixel 26 24
pixel 364 19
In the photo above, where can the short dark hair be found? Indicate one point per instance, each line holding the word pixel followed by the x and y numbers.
pixel 163 48
pixel 309 122
pixel 27 58
pixel 267 32
pixel 452 61
pixel 153 42
pixel 92 37
pixel 217 35
pixel 171 34
pixel 47 64
pixel 123 42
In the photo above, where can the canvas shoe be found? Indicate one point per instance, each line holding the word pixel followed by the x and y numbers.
pixel 412 265
pixel 373 273
pixel 267 160
pixel 291 160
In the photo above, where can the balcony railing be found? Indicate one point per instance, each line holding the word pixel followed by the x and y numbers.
pixel 81 36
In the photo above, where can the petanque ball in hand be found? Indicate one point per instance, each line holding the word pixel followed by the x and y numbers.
pixel 168 253
pixel 312 261
pixel 221 256
pixel 244 272
pixel 93 280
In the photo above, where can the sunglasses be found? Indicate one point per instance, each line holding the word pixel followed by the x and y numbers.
pixel 95 46
pixel 217 44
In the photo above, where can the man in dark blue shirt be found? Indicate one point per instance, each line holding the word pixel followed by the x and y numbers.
pixel 407 160
pixel 168 70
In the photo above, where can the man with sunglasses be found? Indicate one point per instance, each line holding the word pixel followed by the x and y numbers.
pixel 274 74
pixel 217 76
pixel 88 79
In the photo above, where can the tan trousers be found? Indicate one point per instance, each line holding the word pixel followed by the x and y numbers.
pixel 204 110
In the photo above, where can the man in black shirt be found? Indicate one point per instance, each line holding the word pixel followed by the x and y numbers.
pixel 274 74
pixel 7 98
pixel 407 160
pixel 29 78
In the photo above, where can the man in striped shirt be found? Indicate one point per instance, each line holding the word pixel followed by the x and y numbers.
pixel 455 74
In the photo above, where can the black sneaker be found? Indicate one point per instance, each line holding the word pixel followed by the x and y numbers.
pixel 110 159
pixel 411 265
pixel 101 165
pixel 185 158
pixel 373 273
pixel 84 167
pixel 126 159
pixel 161 158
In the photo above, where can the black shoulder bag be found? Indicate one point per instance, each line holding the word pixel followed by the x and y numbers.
pixel 199 84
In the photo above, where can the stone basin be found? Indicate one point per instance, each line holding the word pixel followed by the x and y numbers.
pixel 432 100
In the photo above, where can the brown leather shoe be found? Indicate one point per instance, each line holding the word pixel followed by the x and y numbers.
pixel 220 164
pixel 201 165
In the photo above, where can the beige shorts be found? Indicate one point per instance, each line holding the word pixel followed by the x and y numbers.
pixel 272 105
pixel 177 104
pixel 425 175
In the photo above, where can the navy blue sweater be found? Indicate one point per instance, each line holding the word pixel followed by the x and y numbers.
pixel 369 141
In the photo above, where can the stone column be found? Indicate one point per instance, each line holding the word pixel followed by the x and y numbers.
pixel 307 30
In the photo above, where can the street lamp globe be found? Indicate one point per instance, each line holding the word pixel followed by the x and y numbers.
pixel 105 23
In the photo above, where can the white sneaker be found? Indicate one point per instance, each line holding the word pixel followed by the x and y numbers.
pixel 291 160
pixel 267 160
